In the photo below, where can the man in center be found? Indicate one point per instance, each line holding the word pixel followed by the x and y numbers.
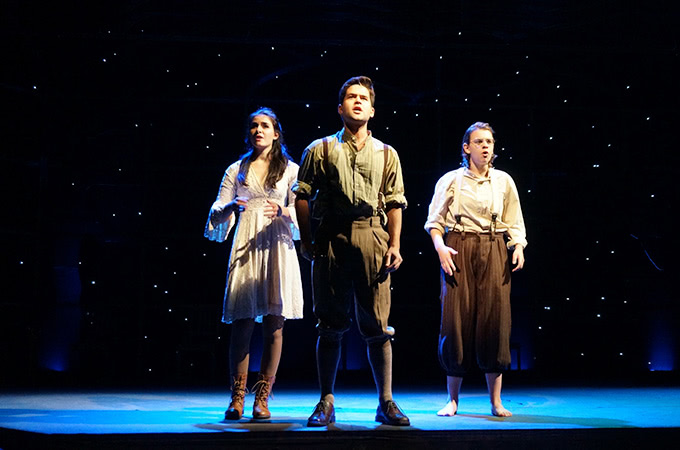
pixel 351 184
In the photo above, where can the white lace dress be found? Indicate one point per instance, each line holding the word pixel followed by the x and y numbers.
pixel 264 274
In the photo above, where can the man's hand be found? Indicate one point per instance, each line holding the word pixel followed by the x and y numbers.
pixel 392 260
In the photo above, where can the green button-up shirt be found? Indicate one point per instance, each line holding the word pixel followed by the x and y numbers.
pixel 351 188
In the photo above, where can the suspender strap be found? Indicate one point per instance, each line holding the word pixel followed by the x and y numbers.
pixel 456 199
pixel 325 155
pixel 384 177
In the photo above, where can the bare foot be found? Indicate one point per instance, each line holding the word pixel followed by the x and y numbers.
pixel 500 411
pixel 448 410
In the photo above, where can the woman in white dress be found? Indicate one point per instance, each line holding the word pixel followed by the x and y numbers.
pixel 263 283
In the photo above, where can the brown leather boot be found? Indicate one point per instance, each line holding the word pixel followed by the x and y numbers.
pixel 262 390
pixel 238 393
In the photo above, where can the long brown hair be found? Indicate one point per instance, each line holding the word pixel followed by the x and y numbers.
pixel 278 154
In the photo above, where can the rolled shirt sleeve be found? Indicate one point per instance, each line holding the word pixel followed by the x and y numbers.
pixel 439 206
pixel 512 215
pixel 394 182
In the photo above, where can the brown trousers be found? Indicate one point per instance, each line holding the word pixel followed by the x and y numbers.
pixel 345 274
pixel 476 305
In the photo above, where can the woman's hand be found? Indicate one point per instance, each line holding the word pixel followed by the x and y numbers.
pixel 518 258
pixel 237 204
pixel 273 209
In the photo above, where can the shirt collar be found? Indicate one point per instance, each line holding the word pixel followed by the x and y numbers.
pixel 470 174
pixel 346 136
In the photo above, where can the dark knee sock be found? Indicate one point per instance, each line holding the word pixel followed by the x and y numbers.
pixel 380 357
pixel 327 359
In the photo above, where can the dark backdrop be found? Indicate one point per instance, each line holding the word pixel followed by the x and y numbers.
pixel 121 117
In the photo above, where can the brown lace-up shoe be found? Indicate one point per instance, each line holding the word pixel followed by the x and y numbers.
pixel 390 414
pixel 323 415
pixel 238 393
pixel 262 389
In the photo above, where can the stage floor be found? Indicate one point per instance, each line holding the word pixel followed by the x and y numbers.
pixel 198 412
